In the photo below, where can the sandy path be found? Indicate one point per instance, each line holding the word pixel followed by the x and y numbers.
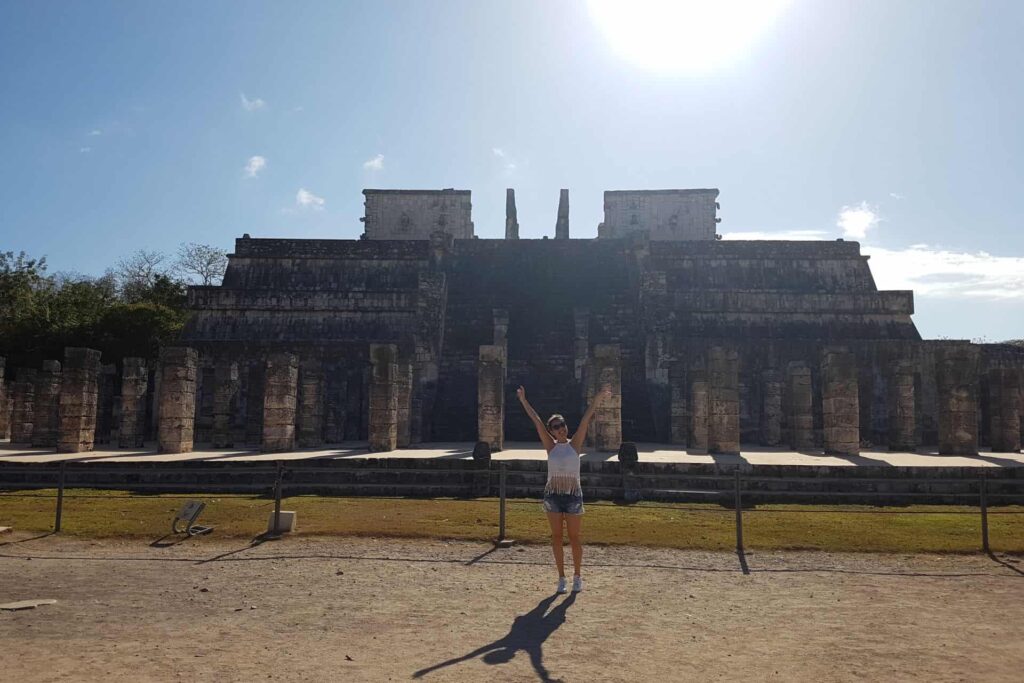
pixel 338 609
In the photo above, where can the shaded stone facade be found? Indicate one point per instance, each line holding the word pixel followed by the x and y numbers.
pixel 666 303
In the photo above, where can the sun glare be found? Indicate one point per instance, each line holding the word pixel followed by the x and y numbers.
pixel 683 35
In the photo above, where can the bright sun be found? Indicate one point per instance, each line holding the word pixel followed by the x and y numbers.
pixel 683 35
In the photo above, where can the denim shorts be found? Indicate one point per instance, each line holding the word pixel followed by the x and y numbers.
pixel 566 503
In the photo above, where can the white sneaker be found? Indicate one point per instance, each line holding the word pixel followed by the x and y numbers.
pixel 577 584
pixel 561 585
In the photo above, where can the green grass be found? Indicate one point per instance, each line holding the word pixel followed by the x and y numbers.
pixel 107 514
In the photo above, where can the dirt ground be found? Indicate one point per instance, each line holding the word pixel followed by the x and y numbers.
pixel 350 609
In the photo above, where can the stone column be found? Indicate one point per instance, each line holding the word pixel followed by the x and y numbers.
pixel 840 401
pixel 511 220
pixel 581 341
pixel 607 422
pixel 724 401
pixel 771 407
pixel 800 402
pixel 23 397
pixel 562 224
pixel 1004 394
pixel 491 396
pixel 280 393
pixel 226 382
pixel 45 424
pixel 678 404
pixel 134 387
pixel 403 398
pixel 177 399
pixel 311 403
pixel 105 403
pixel 902 410
pixel 78 397
pixel 5 414
pixel 700 408
pixel 383 427
pixel 956 374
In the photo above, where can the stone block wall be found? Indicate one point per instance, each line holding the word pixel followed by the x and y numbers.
pixel 22 415
pixel 47 399
pixel 491 396
pixel 663 214
pixel 280 402
pixel 1004 409
pixel 723 398
pixel 79 395
pixel 177 399
pixel 840 403
pixel 956 369
pixel 383 427
pixel 606 425
pixel 416 214
pixel 134 393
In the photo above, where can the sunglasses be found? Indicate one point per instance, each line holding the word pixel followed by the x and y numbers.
pixel 556 425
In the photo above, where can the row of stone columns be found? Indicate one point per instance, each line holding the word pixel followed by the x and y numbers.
pixel 706 416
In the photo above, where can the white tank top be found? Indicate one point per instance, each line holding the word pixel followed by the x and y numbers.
pixel 563 470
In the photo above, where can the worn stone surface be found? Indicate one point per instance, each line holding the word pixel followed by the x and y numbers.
pixel 46 404
pixel 226 380
pixel 679 405
pixel 1004 409
pixel 131 432
pixel 723 398
pixel 403 398
pixel 800 403
pixel 700 410
pixel 79 395
pixel 491 396
pixel 902 407
pixel 957 379
pixel 511 217
pixel 105 403
pixel 840 402
pixel 5 402
pixel 383 423
pixel 664 290
pixel 663 214
pixel 771 408
pixel 311 403
pixel 23 397
pixel 177 399
pixel 562 222
pixel 415 214
pixel 280 402
pixel 606 425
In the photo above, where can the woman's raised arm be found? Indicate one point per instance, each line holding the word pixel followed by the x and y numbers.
pixel 538 424
pixel 581 434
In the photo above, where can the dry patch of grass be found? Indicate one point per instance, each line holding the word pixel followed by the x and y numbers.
pixel 99 514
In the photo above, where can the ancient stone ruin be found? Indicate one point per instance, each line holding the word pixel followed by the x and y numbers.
pixel 421 332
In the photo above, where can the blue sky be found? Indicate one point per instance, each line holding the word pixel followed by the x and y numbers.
pixel 128 125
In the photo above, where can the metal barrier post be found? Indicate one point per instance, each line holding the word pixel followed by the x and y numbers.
pixel 501 541
pixel 983 489
pixel 277 497
pixel 501 499
pixel 739 515
pixel 60 498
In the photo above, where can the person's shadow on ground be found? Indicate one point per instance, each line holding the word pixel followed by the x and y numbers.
pixel 528 633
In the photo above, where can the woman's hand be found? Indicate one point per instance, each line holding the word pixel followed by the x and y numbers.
pixel 521 393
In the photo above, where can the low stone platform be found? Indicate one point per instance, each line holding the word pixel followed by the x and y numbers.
pixel 648 452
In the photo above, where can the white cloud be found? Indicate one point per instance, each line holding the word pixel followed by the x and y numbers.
pixel 781 235
pixel 507 162
pixel 253 104
pixel 94 132
pixel 897 196
pixel 939 273
pixel 254 166
pixel 374 164
pixel 85 150
pixel 857 220
pixel 307 200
